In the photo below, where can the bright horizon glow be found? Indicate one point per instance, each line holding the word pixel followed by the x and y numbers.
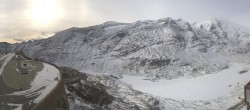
pixel 44 12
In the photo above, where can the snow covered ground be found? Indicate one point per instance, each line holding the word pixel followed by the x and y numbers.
pixel 206 87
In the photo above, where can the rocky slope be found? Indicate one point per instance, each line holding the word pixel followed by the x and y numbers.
pixel 163 48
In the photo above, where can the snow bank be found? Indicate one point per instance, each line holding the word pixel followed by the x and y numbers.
pixel 19 106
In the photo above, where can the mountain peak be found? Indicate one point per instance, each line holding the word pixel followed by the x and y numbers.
pixel 166 19
pixel 110 23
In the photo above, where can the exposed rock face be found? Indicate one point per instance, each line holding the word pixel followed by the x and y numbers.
pixel 93 92
pixel 163 48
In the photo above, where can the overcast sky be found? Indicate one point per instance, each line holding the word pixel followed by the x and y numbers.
pixel 31 19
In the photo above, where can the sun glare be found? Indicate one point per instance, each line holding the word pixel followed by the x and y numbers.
pixel 44 11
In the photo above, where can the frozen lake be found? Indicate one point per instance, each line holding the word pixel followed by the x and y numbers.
pixel 205 87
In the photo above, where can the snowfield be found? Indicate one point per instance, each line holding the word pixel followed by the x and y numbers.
pixel 206 87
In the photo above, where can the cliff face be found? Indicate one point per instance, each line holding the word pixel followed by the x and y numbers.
pixel 163 48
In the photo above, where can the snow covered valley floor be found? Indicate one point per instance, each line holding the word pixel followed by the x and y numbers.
pixel 225 83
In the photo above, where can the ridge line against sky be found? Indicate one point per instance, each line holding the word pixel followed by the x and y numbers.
pixel 33 19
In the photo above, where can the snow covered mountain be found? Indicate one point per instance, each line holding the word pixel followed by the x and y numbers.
pixel 163 48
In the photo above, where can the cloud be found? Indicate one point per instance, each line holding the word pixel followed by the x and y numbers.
pixel 19 40
pixel 15 22
pixel 242 20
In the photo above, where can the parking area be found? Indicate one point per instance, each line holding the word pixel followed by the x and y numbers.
pixel 19 72
pixel 26 84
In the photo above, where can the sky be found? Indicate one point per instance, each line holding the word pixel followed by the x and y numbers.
pixel 22 20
